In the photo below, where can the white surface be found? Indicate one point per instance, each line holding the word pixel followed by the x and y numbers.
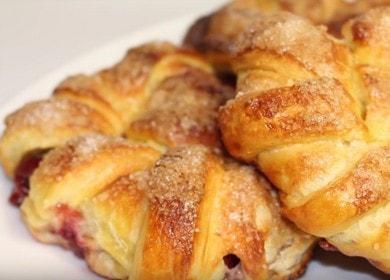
pixel 23 258
pixel 38 36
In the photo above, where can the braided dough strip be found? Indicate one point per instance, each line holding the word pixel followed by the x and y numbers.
pixel 313 113
pixel 133 214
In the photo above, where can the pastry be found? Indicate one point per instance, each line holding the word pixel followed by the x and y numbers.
pixel 313 113
pixel 159 93
pixel 189 214
pixel 214 34
pixel 162 204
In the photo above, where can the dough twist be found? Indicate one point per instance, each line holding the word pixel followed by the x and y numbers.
pixel 124 99
pixel 129 210
pixel 159 93
pixel 214 34
pixel 313 113
pixel 189 214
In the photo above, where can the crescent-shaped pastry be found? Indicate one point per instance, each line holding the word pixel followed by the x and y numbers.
pixel 213 35
pixel 130 212
pixel 313 113
pixel 190 214
pixel 158 94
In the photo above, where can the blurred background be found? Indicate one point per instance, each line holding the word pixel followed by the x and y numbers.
pixel 38 36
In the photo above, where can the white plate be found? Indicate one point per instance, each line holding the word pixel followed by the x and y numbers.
pixel 22 257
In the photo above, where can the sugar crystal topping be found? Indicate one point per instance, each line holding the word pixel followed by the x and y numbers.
pixel 175 187
pixel 286 34
pixel 76 152
pixel 184 108
pixel 53 113
pixel 179 175
pixel 243 186
pixel 138 63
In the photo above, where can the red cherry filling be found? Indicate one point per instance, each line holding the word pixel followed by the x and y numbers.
pixel 231 261
pixel 22 174
pixel 68 231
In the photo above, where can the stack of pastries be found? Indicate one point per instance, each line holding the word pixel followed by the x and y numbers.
pixel 143 169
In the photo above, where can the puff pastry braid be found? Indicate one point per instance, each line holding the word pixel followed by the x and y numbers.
pixel 185 215
pixel 313 113
pixel 214 34
pixel 158 93
pixel 129 210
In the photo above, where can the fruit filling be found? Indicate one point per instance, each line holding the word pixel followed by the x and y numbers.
pixel 22 175
pixel 69 230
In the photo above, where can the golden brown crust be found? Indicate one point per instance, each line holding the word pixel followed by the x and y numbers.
pixel 36 114
pixel 372 27
pixel 214 34
pixel 323 142
pixel 333 13
pixel 67 119
pixel 80 156
pixel 368 35
pixel 283 37
pixel 182 110
pixel 123 206
pixel 174 217
pixel 377 85
pixel 58 209
pixel 109 101
pixel 361 189
pixel 130 216
pixel 274 33
pixel 239 215
pixel 196 181
pixel 76 153
pixel 175 188
pixel 71 176
pixel 121 87
pixel 243 191
pixel 312 110
pixel 221 27
pixel 85 90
